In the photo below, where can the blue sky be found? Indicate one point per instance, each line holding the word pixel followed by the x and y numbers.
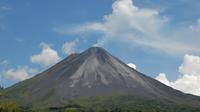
pixel 158 36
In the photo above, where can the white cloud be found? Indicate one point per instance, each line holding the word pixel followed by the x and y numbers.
pixel 5 8
pixel 189 82
pixel 139 27
pixel 162 78
pixel 196 27
pixel 47 57
pixel 132 65
pixel 4 11
pixel 191 65
pixel 19 74
pixel 4 62
pixel 69 47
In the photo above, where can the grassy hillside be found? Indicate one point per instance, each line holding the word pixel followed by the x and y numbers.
pixel 101 104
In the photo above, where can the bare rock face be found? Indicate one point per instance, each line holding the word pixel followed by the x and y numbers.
pixel 94 72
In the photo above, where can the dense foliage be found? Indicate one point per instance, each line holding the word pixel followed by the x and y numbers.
pixel 102 104
pixel 1 88
pixel 9 106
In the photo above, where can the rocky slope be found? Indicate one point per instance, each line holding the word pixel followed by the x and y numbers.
pixel 94 72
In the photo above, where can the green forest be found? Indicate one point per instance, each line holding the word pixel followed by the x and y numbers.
pixel 100 104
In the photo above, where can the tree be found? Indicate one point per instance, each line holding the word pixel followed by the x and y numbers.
pixel 1 87
pixel 9 106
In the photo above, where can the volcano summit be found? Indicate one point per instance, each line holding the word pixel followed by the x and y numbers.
pixel 95 72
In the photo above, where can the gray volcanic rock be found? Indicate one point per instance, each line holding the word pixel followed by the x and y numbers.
pixel 94 72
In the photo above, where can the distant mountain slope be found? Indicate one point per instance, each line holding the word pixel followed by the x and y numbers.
pixel 94 72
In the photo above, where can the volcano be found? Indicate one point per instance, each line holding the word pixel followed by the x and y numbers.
pixel 94 72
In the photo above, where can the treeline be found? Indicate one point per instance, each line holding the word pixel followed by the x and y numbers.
pixel 11 106
pixel 1 88
pixel 101 104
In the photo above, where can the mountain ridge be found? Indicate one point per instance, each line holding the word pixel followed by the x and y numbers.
pixel 95 72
